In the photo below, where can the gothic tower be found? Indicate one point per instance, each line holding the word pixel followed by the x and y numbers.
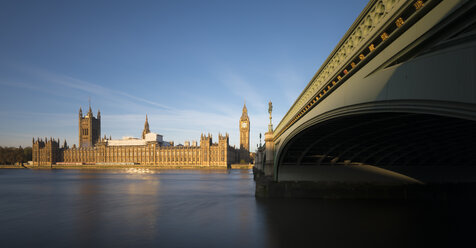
pixel 245 130
pixel 205 144
pixel 146 127
pixel 89 128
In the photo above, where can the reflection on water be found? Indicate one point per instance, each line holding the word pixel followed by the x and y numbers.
pixel 205 208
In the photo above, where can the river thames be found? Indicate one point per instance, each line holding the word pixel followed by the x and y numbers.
pixel 206 208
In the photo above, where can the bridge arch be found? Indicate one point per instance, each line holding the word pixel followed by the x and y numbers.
pixel 397 135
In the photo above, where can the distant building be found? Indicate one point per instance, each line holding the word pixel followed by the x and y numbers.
pixel 150 149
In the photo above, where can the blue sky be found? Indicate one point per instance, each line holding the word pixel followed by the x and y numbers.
pixel 189 65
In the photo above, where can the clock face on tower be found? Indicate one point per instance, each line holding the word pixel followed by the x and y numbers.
pixel 244 124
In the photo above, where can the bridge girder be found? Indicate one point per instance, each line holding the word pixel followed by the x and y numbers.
pixel 426 72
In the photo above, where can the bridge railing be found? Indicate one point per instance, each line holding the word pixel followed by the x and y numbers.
pixel 378 23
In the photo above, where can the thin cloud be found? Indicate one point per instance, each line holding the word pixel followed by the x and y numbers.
pixel 290 83
pixel 96 89
pixel 242 88
pixel 35 88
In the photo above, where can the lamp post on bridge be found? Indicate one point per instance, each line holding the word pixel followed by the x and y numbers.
pixel 268 138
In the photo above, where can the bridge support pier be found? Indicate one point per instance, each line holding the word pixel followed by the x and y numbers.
pixel 264 175
pixel 269 163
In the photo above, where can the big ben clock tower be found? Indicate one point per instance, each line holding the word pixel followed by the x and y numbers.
pixel 245 130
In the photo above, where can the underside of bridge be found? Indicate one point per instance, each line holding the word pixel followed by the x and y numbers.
pixel 384 140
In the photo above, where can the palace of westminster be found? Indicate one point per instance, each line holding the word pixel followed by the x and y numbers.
pixel 150 149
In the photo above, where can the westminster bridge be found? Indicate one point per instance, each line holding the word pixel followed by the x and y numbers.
pixel 393 104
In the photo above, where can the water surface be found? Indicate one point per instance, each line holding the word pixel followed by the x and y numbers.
pixel 206 208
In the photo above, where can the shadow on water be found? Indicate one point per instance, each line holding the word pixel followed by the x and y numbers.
pixel 366 223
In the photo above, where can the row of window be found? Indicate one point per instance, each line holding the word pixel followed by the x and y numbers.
pixel 162 156
pixel 84 131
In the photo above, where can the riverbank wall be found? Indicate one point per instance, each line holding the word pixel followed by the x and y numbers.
pixel 241 166
pixel 123 166
pixel 11 166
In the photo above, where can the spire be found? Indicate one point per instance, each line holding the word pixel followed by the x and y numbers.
pixel 80 112
pixel 99 114
pixel 146 127
pixel 90 111
pixel 244 114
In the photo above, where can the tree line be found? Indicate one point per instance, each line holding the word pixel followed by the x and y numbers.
pixel 12 155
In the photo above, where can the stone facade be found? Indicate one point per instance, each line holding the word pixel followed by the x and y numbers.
pixel 46 152
pixel 146 152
